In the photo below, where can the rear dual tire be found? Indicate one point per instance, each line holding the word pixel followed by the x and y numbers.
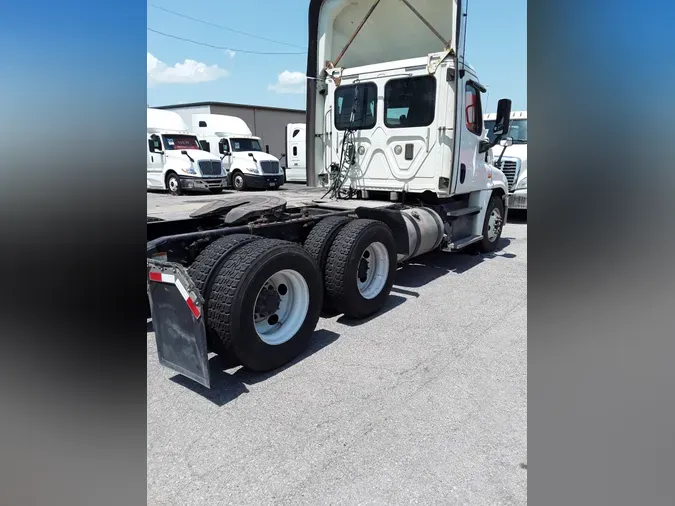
pixel 263 299
pixel 358 261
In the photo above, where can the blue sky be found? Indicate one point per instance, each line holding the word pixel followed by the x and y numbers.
pixel 496 48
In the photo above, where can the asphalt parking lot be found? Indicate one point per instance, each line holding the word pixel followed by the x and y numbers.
pixel 425 403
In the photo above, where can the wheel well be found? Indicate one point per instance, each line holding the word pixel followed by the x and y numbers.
pixel 499 192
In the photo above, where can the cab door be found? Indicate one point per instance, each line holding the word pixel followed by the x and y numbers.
pixel 155 168
pixel 227 159
pixel 469 132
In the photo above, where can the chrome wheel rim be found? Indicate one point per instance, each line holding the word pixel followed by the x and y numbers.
pixel 494 225
pixel 281 307
pixel 373 270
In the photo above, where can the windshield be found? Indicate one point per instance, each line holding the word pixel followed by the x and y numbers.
pixel 517 130
pixel 179 142
pixel 245 144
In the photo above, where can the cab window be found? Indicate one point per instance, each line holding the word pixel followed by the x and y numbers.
pixel 410 102
pixel 359 100
pixel 472 110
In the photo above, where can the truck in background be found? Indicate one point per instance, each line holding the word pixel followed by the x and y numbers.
pixel 176 161
pixel 244 161
pixel 513 153
pixel 398 124
pixel 296 156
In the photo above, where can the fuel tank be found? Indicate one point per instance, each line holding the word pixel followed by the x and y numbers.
pixel 425 231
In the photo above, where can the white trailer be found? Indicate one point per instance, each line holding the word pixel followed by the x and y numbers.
pixel 245 162
pixel 176 161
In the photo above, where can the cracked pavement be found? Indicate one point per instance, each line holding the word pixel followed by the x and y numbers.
pixel 426 403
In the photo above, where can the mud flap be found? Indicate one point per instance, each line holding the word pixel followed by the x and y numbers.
pixel 177 310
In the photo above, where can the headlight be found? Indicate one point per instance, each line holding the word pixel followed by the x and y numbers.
pixel 522 184
pixel 190 170
pixel 253 168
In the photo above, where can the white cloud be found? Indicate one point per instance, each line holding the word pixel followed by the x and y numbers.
pixel 190 71
pixel 230 53
pixel 289 82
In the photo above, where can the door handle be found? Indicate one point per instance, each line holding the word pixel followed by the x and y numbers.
pixel 152 159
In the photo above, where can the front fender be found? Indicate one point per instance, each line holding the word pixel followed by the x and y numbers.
pixel 497 179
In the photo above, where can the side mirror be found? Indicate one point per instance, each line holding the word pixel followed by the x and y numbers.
pixel 506 142
pixel 503 119
pixel 222 147
pixel 154 145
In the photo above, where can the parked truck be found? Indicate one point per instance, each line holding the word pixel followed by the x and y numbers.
pixel 511 157
pixel 176 161
pixel 397 123
pixel 245 162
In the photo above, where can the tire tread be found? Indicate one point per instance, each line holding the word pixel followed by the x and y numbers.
pixel 320 238
pixel 229 284
pixel 335 279
pixel 200 271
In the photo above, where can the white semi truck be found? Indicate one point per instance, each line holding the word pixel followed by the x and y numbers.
pixel 397 123
pixel 296 152
pixel 245 162
pixel 511 157
pixel 176 161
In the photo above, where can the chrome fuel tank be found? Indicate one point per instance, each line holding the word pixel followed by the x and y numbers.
pixel 425 231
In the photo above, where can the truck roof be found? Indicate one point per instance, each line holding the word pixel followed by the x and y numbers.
pixel 222 125
pixel 514 115
pixel 334 23
pixel 165 121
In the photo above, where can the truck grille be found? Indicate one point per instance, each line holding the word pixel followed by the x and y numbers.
pixel 210 167
pixel 269 167
pixel 510 167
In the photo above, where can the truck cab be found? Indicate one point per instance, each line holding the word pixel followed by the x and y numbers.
pixel 243 158
pixel 401 118
pixel 296 159
pixel 513 152
pixel 176 161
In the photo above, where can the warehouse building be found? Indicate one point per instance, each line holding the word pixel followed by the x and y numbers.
pixel 268 123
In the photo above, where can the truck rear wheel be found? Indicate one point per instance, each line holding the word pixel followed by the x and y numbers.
pixel 360 268
pixel 321 237
pixel 264 303
pixel 203 269
pixel 319 241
